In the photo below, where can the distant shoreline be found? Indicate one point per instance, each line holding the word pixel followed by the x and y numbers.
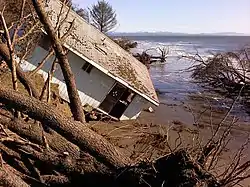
pixel 167 34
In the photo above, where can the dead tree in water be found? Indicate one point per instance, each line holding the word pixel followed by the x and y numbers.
pixel 148 59
pixel 126 44
pixel 226 71
pixel 145 58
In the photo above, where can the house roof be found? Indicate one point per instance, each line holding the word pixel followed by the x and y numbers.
pixel 102 52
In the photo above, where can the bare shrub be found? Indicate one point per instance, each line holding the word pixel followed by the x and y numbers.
pixel 227 71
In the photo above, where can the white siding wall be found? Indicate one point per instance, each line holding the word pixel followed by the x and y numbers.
pixel 93 87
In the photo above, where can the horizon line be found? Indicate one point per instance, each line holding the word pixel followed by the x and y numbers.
pixel 169 32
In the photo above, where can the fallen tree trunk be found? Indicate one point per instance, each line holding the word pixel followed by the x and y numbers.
pixel 49 160
pixel 9 179
pixel 26 178
pixel 69 171
pixel 33 133
pixel 14 159
pixel 52 180
pixel 75 132
pixel 31 160
pixel 175 169
pixel 65 162
pixel 22 77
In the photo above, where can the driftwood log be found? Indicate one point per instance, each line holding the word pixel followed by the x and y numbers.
pixel 33 132
pixel 8 178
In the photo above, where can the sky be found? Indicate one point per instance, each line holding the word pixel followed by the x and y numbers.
pixel 185 16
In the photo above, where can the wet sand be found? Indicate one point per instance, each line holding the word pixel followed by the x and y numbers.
pixel 192 119
pixel 195 110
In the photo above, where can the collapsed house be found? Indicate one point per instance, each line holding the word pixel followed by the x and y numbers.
pixel 107 77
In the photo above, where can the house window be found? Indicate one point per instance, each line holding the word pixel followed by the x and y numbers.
pixel 87 67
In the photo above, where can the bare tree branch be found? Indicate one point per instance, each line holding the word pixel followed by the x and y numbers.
pixel 75 102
